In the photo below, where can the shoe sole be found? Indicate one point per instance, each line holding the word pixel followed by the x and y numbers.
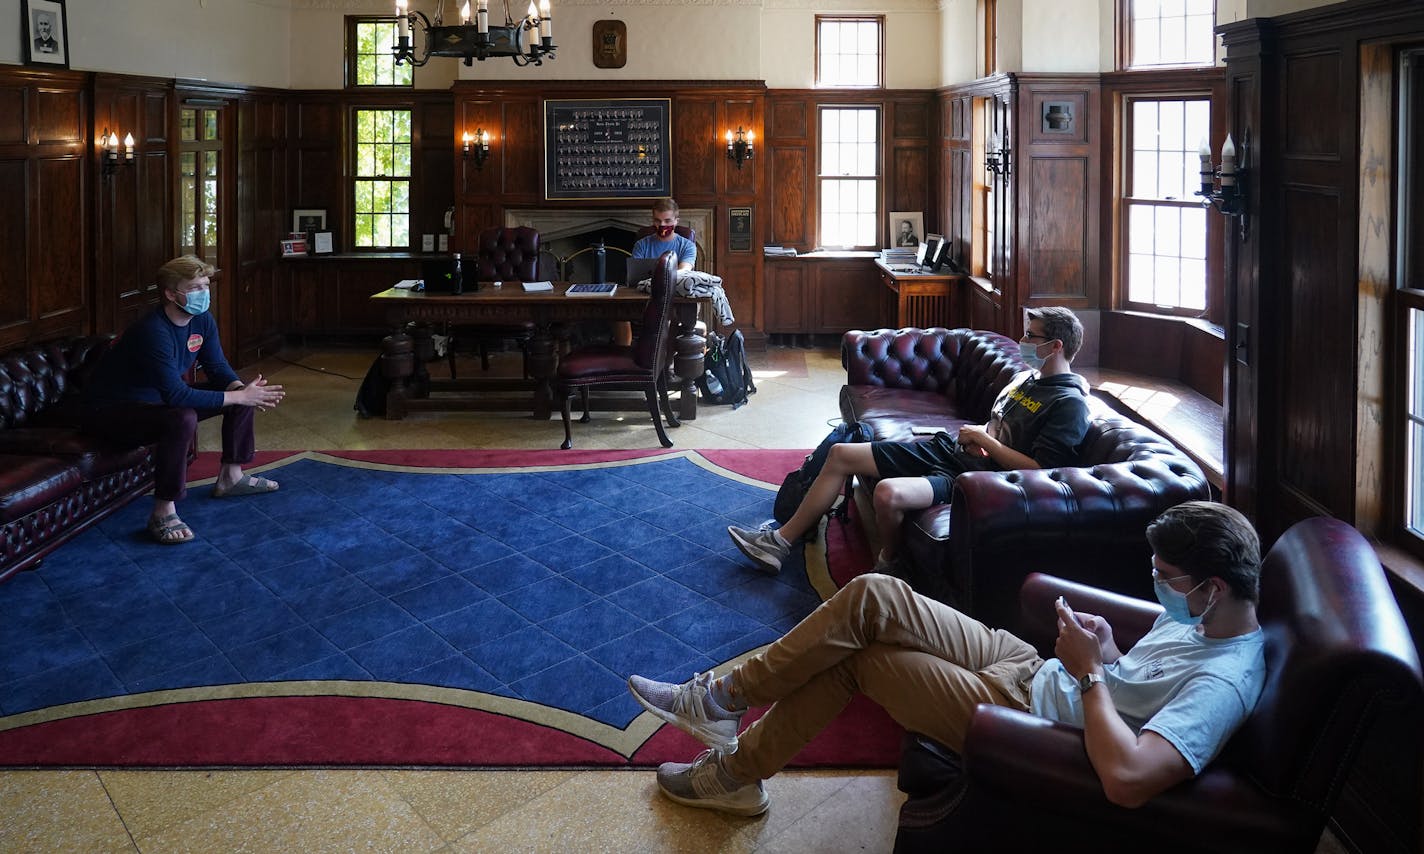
pixel 771 566
pixel 720 806
pixel 708 737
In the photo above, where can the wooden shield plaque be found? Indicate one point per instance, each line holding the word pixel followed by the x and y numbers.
pixel 610 44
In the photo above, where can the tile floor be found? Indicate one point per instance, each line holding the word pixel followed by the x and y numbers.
pixel 423 810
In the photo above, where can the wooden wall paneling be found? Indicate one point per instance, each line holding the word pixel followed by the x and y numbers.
pixel 471 116
pixel 696 156
pixel 58 273
pixel 786 296
pixel 523 175
pixel 433 184
pixel 792 206
pixel 910 169
pixel 742 183
pixel 13 130
pixel 1057 232
pixel 849 295
pixel 318 166
pixel 15 309
pixel 788 119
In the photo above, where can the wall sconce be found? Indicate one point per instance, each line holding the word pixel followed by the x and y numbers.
pixel 109 146
pixel 996 157
pixel 1223 189
pixel 739 146
pixel 476 147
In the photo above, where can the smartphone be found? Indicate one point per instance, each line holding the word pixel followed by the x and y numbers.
pixel 1072 616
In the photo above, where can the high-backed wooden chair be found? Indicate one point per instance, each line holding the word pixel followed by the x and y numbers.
pixel 1338 656
pixel 638 367
pixel 501 255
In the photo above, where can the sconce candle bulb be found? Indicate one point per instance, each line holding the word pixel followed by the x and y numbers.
pixel 128 146
pixel 1224 189
pixel 476 147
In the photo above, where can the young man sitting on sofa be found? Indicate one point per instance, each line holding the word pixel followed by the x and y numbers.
pixel 1152 716
pixel 1037 421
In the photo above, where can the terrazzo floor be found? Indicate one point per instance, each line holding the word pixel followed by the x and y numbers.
pixel 315 810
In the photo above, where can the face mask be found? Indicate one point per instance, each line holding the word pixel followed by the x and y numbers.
pixel 1174 602
pixel 1029 353
pixel 665 231
pixel 196 302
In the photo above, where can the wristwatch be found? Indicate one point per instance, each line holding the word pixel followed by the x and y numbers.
pixel 1088 680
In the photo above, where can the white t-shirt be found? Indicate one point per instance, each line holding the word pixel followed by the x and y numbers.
pixel 1190 689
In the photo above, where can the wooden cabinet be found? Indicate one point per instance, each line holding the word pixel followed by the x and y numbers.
pixel 331 295
pixel 923 299
pixel 824 293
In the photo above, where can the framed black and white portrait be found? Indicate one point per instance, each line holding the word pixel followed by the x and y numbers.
pixel 46 32
pixel 907 228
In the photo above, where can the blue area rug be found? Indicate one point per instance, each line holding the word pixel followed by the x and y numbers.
pixel 543 586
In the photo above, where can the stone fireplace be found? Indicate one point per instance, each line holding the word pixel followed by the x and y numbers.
pixel 566 235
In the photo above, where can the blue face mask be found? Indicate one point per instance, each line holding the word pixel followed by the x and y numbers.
pixel 1029 353
pixel 1174 602
pixel 196 302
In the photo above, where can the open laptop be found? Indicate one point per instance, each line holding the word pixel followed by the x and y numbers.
pixel 639 269
pixel 438 275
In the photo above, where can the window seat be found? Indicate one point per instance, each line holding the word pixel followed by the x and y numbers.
pixel 1189 419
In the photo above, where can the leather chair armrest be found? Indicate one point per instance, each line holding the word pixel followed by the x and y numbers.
pixel 1039 761
pixel 1130 618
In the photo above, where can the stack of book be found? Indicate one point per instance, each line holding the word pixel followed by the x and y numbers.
pixel 897 256
pixel 779 251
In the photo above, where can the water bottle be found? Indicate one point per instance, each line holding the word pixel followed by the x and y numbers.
pixel 458 286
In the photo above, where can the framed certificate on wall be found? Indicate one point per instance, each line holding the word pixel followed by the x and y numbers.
pixel 616 148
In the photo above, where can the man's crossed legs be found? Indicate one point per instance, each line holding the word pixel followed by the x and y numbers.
pixel 925 663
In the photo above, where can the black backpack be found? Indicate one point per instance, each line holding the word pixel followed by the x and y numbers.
pixel 793 488
pixel 726 377
pixel 371 396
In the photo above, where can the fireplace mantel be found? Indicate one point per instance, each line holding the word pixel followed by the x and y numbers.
pixel 556 224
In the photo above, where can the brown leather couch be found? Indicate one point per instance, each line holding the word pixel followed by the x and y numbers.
pixel 1085 523
pixel 1339 662
pixel 54 480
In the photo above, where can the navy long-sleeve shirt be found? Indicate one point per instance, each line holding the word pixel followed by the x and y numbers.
pixel 148 362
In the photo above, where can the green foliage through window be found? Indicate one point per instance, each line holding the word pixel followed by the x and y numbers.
pixel 373 61
pixel 382 186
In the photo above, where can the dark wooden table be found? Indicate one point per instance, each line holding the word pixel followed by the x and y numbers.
pixel 413 390
pixel 921 299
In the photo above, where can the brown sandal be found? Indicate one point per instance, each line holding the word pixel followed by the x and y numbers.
pixel 169 530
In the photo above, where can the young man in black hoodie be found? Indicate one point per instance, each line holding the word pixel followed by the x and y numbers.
pixel 1037 421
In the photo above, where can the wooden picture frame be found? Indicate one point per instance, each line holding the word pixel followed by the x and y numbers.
pixel 895 235
pixel 616 148
pixel 46 33
pixel 309 220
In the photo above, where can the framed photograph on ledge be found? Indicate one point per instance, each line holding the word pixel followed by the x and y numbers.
pixel 45 33
pixel 321 243
pixel 907 228
pixel 308 220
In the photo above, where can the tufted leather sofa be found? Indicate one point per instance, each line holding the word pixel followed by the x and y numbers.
pixel 1084 523
pixel 54 480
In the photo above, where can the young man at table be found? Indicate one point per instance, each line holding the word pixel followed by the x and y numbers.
pixel 1152 716
pixel 138 396
pixel 1037 421
pixel 663 239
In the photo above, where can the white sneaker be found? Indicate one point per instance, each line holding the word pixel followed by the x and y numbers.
pixel 764 547
pixel 690 708
pixel 705 784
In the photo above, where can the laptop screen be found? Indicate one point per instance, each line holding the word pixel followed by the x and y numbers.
pixel 438 274
pixel 640 269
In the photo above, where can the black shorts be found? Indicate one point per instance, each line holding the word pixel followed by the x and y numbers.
pixel 938 459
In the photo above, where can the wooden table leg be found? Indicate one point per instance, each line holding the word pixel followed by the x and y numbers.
pixel 543 361
pixel 689 350
pixel 398 366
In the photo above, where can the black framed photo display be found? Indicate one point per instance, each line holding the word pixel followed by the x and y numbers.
pixel 45 33
pixel 607 149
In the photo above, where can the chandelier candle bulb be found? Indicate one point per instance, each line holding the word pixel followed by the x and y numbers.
pixel 546 21
pixel 465 14
pixel 482 17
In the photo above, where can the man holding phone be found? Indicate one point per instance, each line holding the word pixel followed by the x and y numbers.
pixel 1152 716
pixel 1038 421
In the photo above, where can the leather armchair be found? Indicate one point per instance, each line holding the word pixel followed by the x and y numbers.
pixel 1338 655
